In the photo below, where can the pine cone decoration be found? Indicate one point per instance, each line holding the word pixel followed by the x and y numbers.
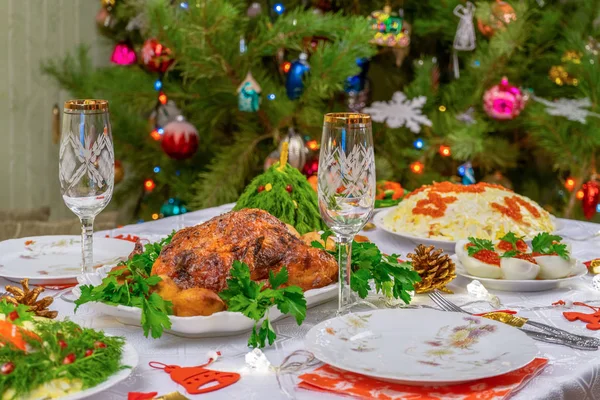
pixel 30 298
pixel 435 269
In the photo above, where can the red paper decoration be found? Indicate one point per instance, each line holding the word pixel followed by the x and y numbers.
pixel 155 56
pixel 591 195
pixel 180 140
pixel 198 380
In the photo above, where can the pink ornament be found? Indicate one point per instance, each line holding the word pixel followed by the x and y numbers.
pixel 503 101
pixel 123 54
pixel 180 140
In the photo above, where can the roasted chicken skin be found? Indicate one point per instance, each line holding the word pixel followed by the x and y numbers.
pixel 201 256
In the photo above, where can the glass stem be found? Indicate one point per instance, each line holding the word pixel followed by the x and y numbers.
pixel 87 244
pixel 345 270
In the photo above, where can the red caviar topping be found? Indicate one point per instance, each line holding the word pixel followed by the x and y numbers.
pixel 507 246
pixel 526 257
pixel 434 205
pixel 488 257
pixel 513 208
pixel 449 187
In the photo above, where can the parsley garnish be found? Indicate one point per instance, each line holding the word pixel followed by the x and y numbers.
pixel 545 243
pixel 248 297
pixel 478 245
pixel 391 277
pixel 134 290
pixel 511 238
pixel 22 311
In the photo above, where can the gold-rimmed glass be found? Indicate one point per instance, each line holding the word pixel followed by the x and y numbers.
pixel 346 187
pixel 86 166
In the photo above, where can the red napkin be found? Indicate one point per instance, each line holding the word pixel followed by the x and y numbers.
pixel 330 379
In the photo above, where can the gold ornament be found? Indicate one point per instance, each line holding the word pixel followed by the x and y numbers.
pixel 108 4
pixel 595 266
pixel 435 269
pixel 558 73
pixel 502 15
pixel 29 298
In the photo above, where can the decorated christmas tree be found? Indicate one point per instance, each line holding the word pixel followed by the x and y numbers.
pixel 203 92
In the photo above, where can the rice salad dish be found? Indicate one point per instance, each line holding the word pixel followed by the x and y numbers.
pixel 452 212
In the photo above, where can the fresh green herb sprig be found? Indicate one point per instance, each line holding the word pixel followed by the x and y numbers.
pixel 47 349
pixel 392 278
pixel 251 299
pixel 130 286
pixel 545 243
pixel 22 312
pixel 478 245
pixel 511 238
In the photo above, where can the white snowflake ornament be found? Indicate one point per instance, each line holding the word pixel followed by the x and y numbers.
pixel 571 109
pixel 400 112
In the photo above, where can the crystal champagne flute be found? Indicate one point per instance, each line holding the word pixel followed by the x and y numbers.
pixel 346 187
pixel 86 166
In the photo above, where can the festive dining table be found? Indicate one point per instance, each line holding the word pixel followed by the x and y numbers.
pixel 570 374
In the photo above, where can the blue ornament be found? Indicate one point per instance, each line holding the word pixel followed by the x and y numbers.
pixel 357 83
pixel 173 207
pixel 294 84
pixel 467 173
pixel 249 95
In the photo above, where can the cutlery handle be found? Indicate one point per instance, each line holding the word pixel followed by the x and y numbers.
pixel 588 340
pixel 544 337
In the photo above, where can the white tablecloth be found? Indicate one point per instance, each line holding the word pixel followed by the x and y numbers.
pixel 570 374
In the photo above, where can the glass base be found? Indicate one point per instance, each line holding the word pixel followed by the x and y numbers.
pixel 357 305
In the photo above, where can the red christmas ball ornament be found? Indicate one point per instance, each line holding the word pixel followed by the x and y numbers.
pixel 591 196
pixel 503 101
pixel 180 140
pixel 311 167
pixel 155 56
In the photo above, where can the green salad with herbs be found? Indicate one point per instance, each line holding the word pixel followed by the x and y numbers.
pixel 48 359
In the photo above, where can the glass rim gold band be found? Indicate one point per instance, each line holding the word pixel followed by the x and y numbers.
pixel 86 105
pixel 348 118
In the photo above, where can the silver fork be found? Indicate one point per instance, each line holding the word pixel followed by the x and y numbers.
pixel 575 341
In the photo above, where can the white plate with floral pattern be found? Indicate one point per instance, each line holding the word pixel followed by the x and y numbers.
pixel 420 347
pixel 55 260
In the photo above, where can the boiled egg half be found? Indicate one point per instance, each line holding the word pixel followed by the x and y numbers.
pixel 519 268
pixel 484 266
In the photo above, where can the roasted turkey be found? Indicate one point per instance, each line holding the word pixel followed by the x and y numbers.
pixel 201 256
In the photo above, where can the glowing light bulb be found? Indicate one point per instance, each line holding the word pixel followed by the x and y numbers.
pixel 417 167
pixel 155 216
pixel 579 194
pixel 271 96
pixel 570 184
pixel 156 169
pixel 155 135
pixel 279 8
pixel 285 67
pixel 157 84
pixel 418 144
pixel 162 98
pixel 149 185
pixel 445 151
